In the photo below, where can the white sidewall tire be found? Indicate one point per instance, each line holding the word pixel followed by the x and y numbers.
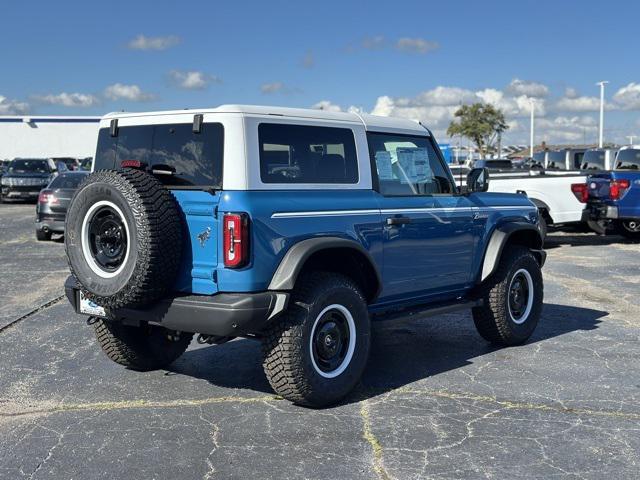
pixel 86 251
pixel 530 299
pixel 352 341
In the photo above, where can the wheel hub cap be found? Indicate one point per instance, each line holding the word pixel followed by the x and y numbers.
pixel 330 341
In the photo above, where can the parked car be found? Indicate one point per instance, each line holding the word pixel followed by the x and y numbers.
pixel 71 164
pixel 295 227
pixel 25 177
pixel 53 202
pixel 614 197
pixel 566 159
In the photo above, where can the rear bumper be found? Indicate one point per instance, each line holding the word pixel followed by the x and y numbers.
pixel 222 314
pixel 600 211
pixel 50 225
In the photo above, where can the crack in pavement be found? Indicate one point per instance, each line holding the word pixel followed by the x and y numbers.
pixel 40 308
pixel 369 436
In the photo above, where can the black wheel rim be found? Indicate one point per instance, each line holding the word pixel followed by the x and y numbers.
pixel 632 226
pixel 107 239
pixel 518 296
pixel 330 341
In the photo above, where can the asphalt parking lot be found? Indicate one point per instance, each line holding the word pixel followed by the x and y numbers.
pixel 435 402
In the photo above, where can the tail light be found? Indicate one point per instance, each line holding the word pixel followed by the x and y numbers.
pixel 235 235
pixel 581 191
pixel 46 196
pixel 617 188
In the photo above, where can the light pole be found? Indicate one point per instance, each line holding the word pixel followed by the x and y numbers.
pixel 532 103
pixel 631 137
pixel 602 84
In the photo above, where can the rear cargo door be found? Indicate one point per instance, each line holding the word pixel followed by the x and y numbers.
pixel 200 237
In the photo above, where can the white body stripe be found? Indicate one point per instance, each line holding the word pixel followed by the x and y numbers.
pixel 392 211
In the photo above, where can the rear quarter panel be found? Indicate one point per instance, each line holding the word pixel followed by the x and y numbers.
pixel 279 219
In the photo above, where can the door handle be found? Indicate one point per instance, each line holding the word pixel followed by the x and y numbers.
pixel 398 220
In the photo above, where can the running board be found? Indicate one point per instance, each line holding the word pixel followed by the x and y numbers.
pixel 424 311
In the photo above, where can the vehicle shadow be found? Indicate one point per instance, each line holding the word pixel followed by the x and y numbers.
pixel 401 352
pixel 578 239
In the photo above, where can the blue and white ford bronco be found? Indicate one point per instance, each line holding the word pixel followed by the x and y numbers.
pixel 294 227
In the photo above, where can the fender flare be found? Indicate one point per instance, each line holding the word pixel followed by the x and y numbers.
pixel 293 261
pixel 500 237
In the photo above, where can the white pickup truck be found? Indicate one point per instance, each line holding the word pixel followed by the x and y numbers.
pixel 549 190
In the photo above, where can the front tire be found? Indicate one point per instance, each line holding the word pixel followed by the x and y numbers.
pixel 316 352
pixel 512 299
pixel 141 348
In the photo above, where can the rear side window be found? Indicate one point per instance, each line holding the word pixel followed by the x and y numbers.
pixel 307 154
pixel 408 165
pixel 184 158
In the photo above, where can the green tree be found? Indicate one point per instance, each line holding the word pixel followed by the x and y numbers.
pixel 481 123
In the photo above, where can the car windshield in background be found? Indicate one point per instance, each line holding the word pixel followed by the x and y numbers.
pixel 593 160
pixel 29 166
pixel 628 160
pixel 68 180
pixel 177 156
pixel 504 164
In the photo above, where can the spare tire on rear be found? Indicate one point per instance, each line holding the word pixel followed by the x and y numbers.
pixel 123 238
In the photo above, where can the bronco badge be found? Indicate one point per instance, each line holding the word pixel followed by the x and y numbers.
pixel 204 236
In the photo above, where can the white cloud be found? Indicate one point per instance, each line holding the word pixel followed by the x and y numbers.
pixel 571 92
pixel 578 104
pixel 278 87
pixel 376 42
pixel 527 88
pixel 192 79
pixel 416 45
pixel 142 42
pixel 628 97
pixel 447 96
pixel 13 107
pixel 68 99
pixel 133 93
pixel 563 129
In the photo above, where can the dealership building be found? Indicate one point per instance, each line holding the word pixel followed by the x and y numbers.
pixel 41 136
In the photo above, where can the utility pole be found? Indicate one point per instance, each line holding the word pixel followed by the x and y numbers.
pixel 602 84
pixel 631 137
pixel 532 103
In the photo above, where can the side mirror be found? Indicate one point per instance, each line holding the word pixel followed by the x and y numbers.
pixel 478 180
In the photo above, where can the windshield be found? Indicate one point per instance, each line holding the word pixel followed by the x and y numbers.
pixel 556 160
pixel 177 155
pixel 628 159
pixel 67 180
pixel 593 160
pixel 29 166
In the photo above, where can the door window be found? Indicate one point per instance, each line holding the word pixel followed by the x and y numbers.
pixel 408 165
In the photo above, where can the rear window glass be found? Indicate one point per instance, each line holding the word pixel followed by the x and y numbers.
pixel 29 166
pixel 556 161
pixel 593 160
pixel 628 160
pixel 178 156
pixel 306 154
pixel 67 181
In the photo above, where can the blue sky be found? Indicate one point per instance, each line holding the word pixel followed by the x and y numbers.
pixel 413 59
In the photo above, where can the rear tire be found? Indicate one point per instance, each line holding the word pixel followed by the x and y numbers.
pixel 629 229
pixel 512 299
pixel 544 228
pixel 140 348
pixel 42 236
pixel 315 353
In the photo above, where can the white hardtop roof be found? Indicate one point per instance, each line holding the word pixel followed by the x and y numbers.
pixel 371 122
